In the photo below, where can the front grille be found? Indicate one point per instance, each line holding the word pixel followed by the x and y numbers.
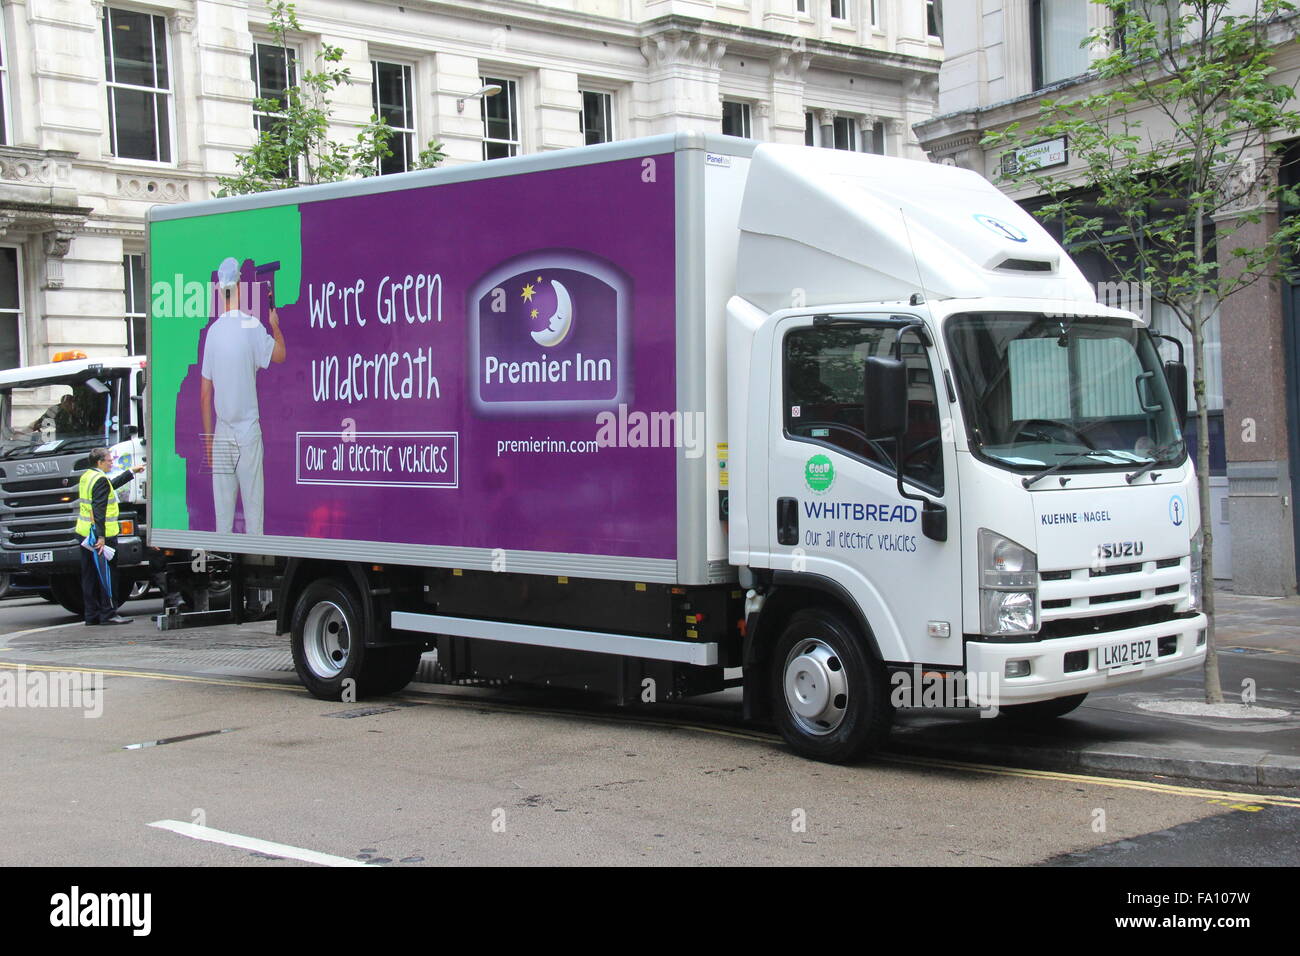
pixel 1075 627
pixel 41 512
pixel 1115 569
pixel 1115 598
pixel 1082 592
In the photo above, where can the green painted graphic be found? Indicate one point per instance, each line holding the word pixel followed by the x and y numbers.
pixel 183 255
pixel 819 474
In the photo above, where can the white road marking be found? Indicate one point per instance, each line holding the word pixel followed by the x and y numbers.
pixel 37 630
pixel 253 843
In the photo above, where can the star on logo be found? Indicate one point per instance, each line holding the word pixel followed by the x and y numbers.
pixel 528 293
pixel 532 314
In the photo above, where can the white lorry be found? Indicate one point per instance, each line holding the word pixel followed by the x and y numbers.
pixel 629 416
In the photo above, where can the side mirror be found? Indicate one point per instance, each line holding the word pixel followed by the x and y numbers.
pixel 1176 378
pixel 884 397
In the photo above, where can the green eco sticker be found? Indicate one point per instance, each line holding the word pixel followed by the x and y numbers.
pixel 819 473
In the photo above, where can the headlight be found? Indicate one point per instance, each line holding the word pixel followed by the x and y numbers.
pixel 1008 586
pixel 1196 585
pixel 1008 612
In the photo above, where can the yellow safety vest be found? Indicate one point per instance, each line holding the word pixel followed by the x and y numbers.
pixel 86 509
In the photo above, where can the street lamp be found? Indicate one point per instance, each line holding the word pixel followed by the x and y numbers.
pixel 489 89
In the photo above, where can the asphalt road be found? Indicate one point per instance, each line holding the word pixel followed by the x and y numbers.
pixel 210 727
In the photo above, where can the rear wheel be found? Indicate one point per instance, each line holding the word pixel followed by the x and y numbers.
pixel 330 652
pixel 830 694
pixel 65 590
pixel 1042 709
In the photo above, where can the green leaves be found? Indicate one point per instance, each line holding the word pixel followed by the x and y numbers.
pixel 293 145
pixel 1175 136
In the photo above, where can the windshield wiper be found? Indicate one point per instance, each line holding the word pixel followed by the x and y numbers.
pixel 1062 464
pixel 1157 456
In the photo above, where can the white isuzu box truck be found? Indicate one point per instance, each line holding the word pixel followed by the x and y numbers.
pixel 634 416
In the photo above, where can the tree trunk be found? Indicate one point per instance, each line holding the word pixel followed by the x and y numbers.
pixel 1213 687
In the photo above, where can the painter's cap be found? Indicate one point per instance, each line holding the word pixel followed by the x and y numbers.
pixel 228 273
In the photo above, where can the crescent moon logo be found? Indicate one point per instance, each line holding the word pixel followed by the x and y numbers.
pixel 558 326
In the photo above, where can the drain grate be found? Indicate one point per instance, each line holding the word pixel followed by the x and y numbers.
pixel 362 712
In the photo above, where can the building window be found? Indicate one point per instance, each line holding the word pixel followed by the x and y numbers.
pixel 597 117
pixel 809 129
pixel 1058 30
pixel 801 6
pixel 839 9
pixel 137 302
pixel 139 85
pixel 875 13
pixel 274 68
pixel 846 132
pixel 500 119
pixel 934 18
pixel 11 308
pixel 735 119
pixel 391 93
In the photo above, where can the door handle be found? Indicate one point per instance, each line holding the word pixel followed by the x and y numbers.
pixel 787 521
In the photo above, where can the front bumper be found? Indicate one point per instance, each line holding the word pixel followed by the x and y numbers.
pixel 130 552
pixel 1049 679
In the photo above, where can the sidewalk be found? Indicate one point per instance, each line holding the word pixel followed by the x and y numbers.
pixel 1258 639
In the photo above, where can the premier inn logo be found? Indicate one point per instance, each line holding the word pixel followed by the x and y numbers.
pixel 550 333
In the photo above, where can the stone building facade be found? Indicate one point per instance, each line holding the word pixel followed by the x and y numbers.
pixel 1003 57
pixel 110 107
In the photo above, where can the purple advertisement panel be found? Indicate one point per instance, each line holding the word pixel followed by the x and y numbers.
pixel 444 368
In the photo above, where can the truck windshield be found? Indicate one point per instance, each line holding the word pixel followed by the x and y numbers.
pixel 1068 393
pixel 57 417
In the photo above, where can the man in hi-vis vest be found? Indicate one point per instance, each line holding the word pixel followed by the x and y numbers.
pixel 97 520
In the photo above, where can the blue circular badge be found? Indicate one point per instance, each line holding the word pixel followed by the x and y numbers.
pixel 1003 229
pixel 1177 510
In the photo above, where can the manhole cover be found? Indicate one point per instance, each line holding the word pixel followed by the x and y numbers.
pixel 362 712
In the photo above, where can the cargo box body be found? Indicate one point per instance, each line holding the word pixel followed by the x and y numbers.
pixel 515 365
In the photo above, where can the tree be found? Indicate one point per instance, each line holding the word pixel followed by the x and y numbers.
pixel 1181 129
pixel 294 148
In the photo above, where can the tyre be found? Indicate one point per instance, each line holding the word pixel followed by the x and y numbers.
pixel 1041 710
pixel 830 694
pixel 329 649
pixel 65 590
pixel 4 584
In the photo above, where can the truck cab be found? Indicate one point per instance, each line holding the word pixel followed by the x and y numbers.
pixel 950 446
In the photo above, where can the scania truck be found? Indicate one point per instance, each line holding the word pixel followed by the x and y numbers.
pixel 659 417
pixel 50 417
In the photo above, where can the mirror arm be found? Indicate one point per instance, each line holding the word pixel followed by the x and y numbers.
pixel 1177 343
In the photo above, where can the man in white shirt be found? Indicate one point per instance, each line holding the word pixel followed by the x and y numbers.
pixel 237 346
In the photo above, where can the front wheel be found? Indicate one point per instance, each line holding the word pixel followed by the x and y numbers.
pixel 830 693
pixel 330 652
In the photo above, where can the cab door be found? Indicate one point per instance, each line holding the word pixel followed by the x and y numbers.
pixel 835 508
